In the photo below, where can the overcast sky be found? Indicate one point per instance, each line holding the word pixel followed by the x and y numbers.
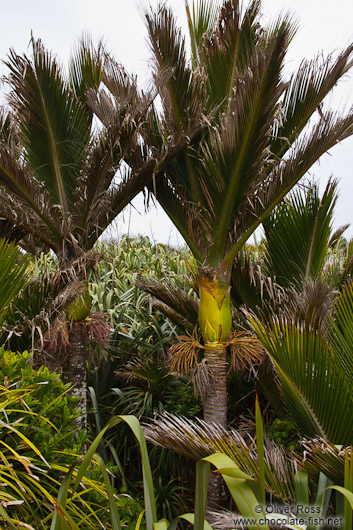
pixel 324 25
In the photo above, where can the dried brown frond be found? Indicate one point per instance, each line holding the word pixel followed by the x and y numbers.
pixel 225 519
pixel 184 354
pixel 203 379
pixel 194 438
pixel 320 455
pixel 174 316
pixel 56 339
pixel 313 305
pixel 78 268
pixel 246 351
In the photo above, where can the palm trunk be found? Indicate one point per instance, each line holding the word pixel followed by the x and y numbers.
pixel 76 371
pixel 215 411
pixel 215 321
pixel 215 402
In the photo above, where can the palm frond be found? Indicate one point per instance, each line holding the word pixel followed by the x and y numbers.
pixel 196 439
pixel 271 190
pixel 322 456
pixel 314 384
pixel 251 287
pixel 341 333
pixel 173 298
pixel 201 21
pixel 236 154
pixel 304 94
pixel 86 68
pixel 183 95
pixel 228 50
pixel 22 203
pixel 55 125
pixel 297 235
pixel 13 277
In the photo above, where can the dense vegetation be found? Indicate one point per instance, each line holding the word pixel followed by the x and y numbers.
pixel 223 353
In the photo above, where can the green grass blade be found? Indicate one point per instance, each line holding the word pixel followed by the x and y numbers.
pixel 150 502
pixel 201 488
pixel 260 450
pixel 139 520
pixel 301 488
pixel 6 517
pixel 56 523
pixel 115 519
pixel 239 488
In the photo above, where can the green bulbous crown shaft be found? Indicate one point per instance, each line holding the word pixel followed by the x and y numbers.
pixel 215 317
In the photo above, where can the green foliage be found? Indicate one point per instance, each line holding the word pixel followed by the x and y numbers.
pixel 44 396
pixel 13 276
pixel 313 360
pixel 37 446
pixel 297 233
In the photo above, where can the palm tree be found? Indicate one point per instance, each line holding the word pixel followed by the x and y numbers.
pixel 260 140
pixel 63 177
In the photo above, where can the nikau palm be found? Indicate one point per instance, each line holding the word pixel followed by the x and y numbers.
pixel 63 179
pixel 259 142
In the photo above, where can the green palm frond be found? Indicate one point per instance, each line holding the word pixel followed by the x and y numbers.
pixel 86 68
pixel 315 391
pixel 29 313
pixel 313 361
pixel 269 192
pixel 13 278
pixel 54 124
pixel 237 153
pixel 297 235
pixel 201 21
pixel 62 179
pixel 221 189
pixel 183 94
pixel 341 332
pixel 22 203
pixel 229 48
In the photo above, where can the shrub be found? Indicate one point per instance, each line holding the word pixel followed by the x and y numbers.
pixel 44 409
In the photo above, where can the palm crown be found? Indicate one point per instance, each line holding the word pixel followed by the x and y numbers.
pixel 58 172
pixel 258 143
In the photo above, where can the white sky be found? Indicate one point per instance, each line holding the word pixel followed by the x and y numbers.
pixel 323 25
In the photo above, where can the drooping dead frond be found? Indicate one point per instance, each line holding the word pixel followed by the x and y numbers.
pixel 320 455
pixel 78 269
pixel 184 354
pixel 246 351
pixel 225 519
pixel 336 236
pixel 194 438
